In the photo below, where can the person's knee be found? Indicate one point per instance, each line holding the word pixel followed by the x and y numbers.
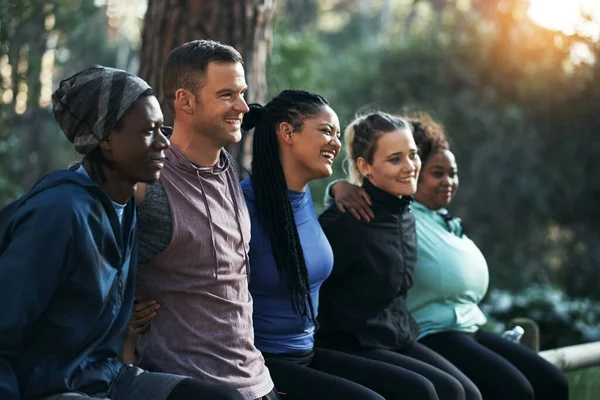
pixel 562 386
pixel 449 388
pixel 470 389
pixel 414 386
pixel 522 390
pixel 371 395
pixel 517 389
pixel 472 392
pixel 359 392
pixel 556 388
pixel 194 389
pixel 423 388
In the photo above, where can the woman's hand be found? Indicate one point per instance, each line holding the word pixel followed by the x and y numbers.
pixel 352 198
pixel 142 314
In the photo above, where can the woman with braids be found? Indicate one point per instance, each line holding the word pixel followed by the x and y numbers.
pixel 296 139
pixel 363 308
pixel 451 277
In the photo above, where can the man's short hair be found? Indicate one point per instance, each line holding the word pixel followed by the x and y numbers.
pixel 186 66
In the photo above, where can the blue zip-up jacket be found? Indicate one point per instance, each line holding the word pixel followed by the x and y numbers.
pixel 67 275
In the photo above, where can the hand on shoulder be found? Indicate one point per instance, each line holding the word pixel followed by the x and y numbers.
pixel 352 198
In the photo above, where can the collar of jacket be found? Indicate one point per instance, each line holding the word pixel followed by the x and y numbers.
pixel 389 202
pixel 180 161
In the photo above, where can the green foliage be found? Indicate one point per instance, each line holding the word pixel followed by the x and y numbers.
pixel 31 144
pixel 562 320
pixel 301 56
pixel 8 188
pixel 584 384
pixel 523 120
pixel 524 127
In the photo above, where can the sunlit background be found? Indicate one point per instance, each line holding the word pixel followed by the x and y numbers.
pixel 125 17
pixel 515 83
pixel 568 16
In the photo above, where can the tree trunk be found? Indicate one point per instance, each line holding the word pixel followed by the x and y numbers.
pixel 243 24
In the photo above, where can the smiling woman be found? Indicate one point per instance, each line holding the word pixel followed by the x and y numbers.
pixel 567 16
pixel 296 139
pixel 362 308
pixel 450 278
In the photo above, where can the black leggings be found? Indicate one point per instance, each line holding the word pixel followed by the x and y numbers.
pixel 193 389
pixel 297 378
pixel 449 382
pixel 501 369
pixel 329 373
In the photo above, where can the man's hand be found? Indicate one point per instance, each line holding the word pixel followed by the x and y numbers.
pixel 142 314
pixel 354 199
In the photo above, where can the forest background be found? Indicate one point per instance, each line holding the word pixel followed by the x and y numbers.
pixel 518 91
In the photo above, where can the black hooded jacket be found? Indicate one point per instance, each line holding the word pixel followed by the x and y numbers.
pixel 362 304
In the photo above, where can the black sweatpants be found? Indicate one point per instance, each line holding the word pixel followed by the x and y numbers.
pixel 448 381
pixel 332 374
pixel 501 369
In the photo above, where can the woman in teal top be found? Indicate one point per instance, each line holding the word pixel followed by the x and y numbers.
pixel 451 277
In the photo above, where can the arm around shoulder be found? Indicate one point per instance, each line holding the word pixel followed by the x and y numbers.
pixel 329 199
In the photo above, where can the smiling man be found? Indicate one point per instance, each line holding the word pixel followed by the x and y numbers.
pixel 195 231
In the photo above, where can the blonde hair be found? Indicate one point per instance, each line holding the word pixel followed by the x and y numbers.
pixel 361 137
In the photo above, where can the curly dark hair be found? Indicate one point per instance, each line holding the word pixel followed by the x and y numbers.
pixel 429 135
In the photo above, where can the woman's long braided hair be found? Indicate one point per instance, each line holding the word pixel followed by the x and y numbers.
pixel 272 201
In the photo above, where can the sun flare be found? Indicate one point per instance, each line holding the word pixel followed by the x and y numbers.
pixel 567 16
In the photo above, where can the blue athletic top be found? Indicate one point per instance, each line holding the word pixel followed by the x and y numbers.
pixel 277 328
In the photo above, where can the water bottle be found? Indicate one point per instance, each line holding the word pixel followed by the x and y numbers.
pixel 514 335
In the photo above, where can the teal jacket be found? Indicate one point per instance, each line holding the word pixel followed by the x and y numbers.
pixel 451 276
